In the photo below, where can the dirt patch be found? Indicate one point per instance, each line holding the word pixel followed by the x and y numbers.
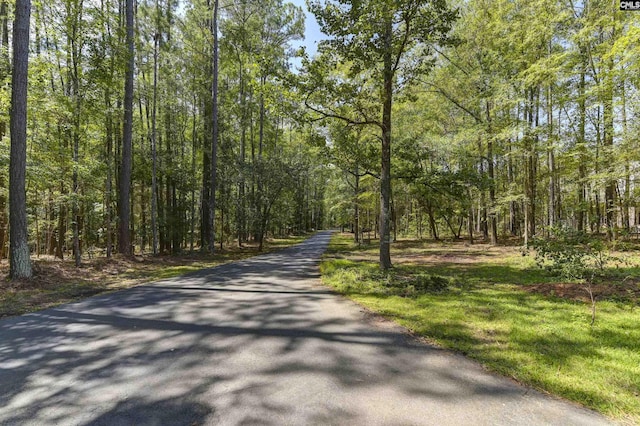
pixel 626 291
pixel 457 255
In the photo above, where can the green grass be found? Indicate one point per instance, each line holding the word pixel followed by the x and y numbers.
pixel 482 310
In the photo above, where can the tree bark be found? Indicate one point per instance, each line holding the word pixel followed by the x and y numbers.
pixel 551 162
pixel 610 188
pixel 109 180
pixel 214 128
pixel 124 237
pixel 75 51
pixel 193 172
pixel 581 140
pixel 356 206
pixel 20 262
pixel 4 71
pixel 385 175
pixel 154 154
pixel 493 223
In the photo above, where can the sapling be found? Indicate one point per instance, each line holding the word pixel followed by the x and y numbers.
pixel 573 255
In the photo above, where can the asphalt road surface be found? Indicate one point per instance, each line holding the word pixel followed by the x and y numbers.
pixel 256 342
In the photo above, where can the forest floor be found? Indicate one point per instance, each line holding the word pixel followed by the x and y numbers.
pixel 495 305
pixel 58 281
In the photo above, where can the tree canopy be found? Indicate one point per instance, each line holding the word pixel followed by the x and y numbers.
pixel 487 120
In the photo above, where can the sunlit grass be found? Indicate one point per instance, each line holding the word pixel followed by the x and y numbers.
pixel 483 312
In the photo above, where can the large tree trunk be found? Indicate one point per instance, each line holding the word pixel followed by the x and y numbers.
pixel 124 237
pixel 385 175
pixel 20 262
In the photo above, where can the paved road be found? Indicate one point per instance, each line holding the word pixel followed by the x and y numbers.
pixel 253 342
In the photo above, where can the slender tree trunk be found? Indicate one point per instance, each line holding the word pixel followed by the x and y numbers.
pixel 532 138
pixel 513 226
pixel 263 80
pixel 51 239
pixel 75 208
pixel 482 223
pixel 470 218
pixel 356 206
pixel 241 205
pixel 75 19
pixel 581 140
pixel 62 225
pixel 610 188
pixel 109 180
pixel 132 222
pixel 597 215
pixel 214 128
pixel 37 227
pixel 432 222
pixel 4 71
pixel 625 204
pixel 493 223
pixel 193 173
pixel 612 183
pixel 19 259
pixel 394 218
pixel 205 222
pixel 124 237
pixel 551 162
pixel 168 211
pixel 154 154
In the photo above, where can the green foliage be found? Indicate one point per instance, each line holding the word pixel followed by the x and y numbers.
pixel 571 254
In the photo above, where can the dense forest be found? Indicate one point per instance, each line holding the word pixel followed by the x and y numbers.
pixel 166 126
pixel 95 185
pixel 510 119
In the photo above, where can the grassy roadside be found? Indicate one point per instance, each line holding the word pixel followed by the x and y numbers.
pixel 56 282
pixel 493 305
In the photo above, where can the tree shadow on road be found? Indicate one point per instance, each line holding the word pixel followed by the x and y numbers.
pixel 225 345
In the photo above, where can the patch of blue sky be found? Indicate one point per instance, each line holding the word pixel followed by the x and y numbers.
pixel 312 34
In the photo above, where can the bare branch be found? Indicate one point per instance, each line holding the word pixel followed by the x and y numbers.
pixel 451 99
pixel 325 114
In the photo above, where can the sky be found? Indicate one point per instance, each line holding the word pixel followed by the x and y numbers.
pixel 312 33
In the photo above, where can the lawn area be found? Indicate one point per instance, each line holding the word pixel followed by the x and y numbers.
pixel 59 281
pixel 494 305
